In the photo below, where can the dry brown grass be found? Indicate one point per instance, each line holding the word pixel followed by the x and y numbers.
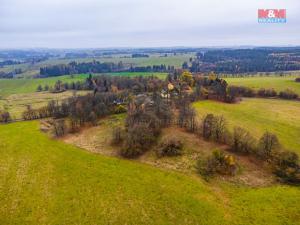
pixel 16 104
pixel 98 140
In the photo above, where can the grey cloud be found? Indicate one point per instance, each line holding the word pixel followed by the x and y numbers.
pixel 106 23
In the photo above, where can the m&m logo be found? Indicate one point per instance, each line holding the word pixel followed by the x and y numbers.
pixel 272 15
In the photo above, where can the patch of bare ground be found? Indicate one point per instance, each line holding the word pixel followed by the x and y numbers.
pixel 97 139
pixel 94 139
pixel 252 172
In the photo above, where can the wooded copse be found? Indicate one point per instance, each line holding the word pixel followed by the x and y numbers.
pixel 98 67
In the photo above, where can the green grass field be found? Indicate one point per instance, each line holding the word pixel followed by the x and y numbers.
pixel 172 60
pixel 136 74
pixel 47 182
pixel 259 115
pixel 21 86
pixel 43 181
pixel 16 94
pixel 154 59
pixel 276 82
pixel 16 104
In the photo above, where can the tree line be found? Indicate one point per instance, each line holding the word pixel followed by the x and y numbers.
pixel 241 91
pixel 97 67
pixel 285 164
pixel 245 60
pixel 10 75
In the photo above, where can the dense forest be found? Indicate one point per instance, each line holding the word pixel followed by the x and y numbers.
pixel 246 60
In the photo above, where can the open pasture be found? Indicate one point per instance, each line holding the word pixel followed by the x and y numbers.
pixel 259 115
pixel 276 82
pixel 44 181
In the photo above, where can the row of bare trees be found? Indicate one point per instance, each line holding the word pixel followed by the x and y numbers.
pixel 241 91
pixel 214 128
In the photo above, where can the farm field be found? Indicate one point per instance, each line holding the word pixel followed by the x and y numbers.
pixel 154 59
pixel 136 74
pixel 173 60
pixel 16 104
pixel 16 94
pixel 259 115
pixel 276 82
pixel 45 181
pixel 21 86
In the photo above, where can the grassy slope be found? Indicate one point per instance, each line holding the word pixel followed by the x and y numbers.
pixel 48 182
pixel 43 181
pixel 18 86
pixel 154 59
pixel 16 94
pixel 269 205
pixel 16 104
pixel 259 115
pixel 278 83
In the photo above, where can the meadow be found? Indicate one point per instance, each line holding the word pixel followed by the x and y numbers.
pixel 44 181
pixel 21 86
pixel 259 115
pixel 16 94
pixel 154 59
pixel 16 104
pixel 276 82
pixel 136 74
pixel 30 70
pixel 47 181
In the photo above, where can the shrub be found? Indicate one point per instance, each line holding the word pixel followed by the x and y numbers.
pixel 59 127
pixel 268 146
pixel 242 141
pixel 117 136
pixel 207 126
pixel 30 114
pixel 4 117
pixel 297 79
pixel 288 94
pixel 186 114
pixel 74 124
pixel 120 109
pixel 218 162
pixel 240 91
pixel 267 92
pixel 39 88
pixel 138 139
pixel 248 92
pixel 287 167
pixel 220 132
pixel 214 128
pixel 170 146
pixel 93 118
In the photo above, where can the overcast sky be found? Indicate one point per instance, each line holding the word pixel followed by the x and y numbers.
pixel 143 23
